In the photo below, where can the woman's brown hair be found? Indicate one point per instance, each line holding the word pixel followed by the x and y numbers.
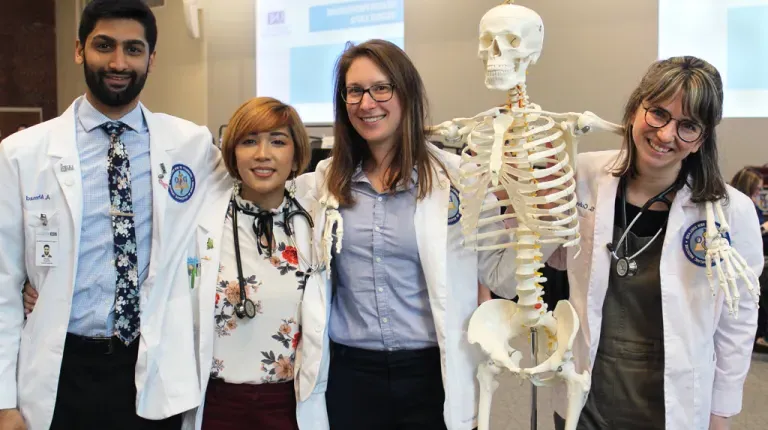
pixel 261 114
pixel 350 149
pixel 702 97
pixel 747 181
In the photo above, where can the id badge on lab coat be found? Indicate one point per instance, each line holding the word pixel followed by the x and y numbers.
pixel 46 247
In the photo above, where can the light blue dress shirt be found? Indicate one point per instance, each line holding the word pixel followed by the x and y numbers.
pixel 93 301
pixel 381 300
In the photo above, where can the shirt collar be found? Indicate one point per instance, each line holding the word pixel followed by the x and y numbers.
pixel 359 176
pixel 90 118
pixel 251 207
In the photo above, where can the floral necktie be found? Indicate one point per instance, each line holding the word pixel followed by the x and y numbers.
pixel 124 235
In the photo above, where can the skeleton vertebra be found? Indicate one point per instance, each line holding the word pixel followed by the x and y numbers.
pixel 528 154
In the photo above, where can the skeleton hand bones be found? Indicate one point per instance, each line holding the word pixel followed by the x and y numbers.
pixel 720 253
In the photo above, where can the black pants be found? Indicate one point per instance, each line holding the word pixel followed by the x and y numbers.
pixel 372 390
pixel 97 389
pixel 762 315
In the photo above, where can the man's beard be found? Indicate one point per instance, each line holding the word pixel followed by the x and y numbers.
pixel 102 92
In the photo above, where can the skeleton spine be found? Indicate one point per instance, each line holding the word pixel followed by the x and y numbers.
pixel 529 256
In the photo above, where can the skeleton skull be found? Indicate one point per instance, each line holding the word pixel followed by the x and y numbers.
pixel 511 38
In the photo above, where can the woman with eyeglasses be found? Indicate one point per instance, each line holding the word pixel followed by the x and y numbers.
pixel 663 352
pixel 394 353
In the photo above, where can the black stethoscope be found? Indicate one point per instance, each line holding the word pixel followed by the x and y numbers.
pixel 627 266
pixel 262 227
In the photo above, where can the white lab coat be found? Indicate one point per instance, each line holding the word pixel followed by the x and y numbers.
pixel 207 249
pixel 43 160
pixel 706 351
pixel 451 272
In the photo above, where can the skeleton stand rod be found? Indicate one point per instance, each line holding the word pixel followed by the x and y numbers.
pixel 534 410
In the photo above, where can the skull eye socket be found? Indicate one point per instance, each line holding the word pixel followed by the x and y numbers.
pixel 486 40
pixel 513 40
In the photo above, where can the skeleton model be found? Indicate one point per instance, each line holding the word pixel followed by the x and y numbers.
pixel 526 154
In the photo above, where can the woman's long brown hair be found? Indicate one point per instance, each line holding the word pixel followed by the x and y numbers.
pixel 411 152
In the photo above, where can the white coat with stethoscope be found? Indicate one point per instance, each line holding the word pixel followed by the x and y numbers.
pixel 452 272
pixel 707 351
pixel 43 192
pixel 207 252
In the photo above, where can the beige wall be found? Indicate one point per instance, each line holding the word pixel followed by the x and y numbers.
pixel 178 83
pixel 595 52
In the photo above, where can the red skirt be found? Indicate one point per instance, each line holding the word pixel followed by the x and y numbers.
pixel 245 406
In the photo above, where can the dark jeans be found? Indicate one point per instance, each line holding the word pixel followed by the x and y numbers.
pixel 380 390
pixel 246 406
pixel 97 390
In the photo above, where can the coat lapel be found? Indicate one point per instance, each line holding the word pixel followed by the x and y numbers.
pixel 431 225
pixel 62 150
pixel 161 143
pixel 601 258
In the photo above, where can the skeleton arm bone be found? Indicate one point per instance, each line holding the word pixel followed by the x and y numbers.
pixel 457 129
pixel 582 122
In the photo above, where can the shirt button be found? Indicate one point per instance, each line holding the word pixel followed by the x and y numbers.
pixel 380 198
pixel 378 259
pixel 385 320
pixel 377 228
pixel 381 290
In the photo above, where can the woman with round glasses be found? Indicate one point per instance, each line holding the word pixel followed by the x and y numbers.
pixel 664 353
pixel 394 354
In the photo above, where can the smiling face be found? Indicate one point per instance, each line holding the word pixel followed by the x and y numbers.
pixel 661 150
pixel 376 122
pixel 116 60
pixel 264 163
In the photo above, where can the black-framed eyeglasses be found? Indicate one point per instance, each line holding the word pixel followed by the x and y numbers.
pixel 380 93
pixel 687 130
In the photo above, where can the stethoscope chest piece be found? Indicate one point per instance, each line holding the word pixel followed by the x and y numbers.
pixel 246 309
pixel 626 267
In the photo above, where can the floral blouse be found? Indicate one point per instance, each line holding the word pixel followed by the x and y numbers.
pixel 263 349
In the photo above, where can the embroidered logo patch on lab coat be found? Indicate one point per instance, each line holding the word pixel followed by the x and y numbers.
pixel 182 183
pixel 454 215
pixel 694 245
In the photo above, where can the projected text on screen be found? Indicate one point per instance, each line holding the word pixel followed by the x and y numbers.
pixel 299 41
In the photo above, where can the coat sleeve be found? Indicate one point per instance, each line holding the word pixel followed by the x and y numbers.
pixel 12 275
pixel 734 338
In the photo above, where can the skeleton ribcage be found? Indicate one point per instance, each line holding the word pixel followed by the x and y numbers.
pixel 520 156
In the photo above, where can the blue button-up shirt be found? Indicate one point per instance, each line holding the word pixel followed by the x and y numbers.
pixel 381 300
pixel 94 292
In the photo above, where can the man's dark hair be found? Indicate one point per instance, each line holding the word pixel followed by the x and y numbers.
pixel 136 10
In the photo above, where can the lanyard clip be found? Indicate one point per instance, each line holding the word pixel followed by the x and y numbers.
pixel 44 219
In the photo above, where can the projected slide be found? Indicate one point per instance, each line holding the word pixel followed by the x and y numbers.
pixel 730 34
pixel 299 41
